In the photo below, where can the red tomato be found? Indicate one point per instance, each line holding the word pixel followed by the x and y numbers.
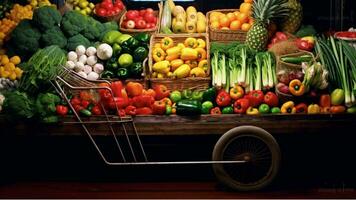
pixel 119 5
pixel 149 10
pixel 101 12
pixel 116 10
pixel 131 15
pixel 138 19
pixel 111 12
pixel 149 17
pixel 141 24
pixel 142 12
pixel 150 25
pixel 107 5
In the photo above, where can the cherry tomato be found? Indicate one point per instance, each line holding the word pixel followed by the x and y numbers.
pixel 101 12
pixel 107 5
pixel 141 24
pixel 150 17
pixel 131 15
pixel 142 12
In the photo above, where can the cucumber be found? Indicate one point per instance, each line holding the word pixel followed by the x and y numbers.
pixel 297 60
pixel 188 107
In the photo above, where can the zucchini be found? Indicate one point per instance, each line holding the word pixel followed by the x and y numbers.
pixel 297 60
pixel 188 107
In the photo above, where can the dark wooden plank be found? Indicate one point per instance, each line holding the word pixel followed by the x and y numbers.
pixel 201 125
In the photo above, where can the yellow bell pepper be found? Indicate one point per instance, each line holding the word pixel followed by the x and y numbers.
pixel 161 67
pixel 182 71
pixel 201 54
pixel 167 43
pixel 173 51
pixel 189 54
pixel 252 111
pixel 158 54
pixel 201 43
pixel 181 46
pixel 197 72
pixel 288 108
pixel 176 63
pixel 191 42
pixel 313 109
pixel 192 63
pixel 203 64
pixel 172 57
pixel 296 87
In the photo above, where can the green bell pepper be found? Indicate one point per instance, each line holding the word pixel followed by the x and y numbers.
pixel 112 64
pixel 209 94
pixel 116 49
pixel 143 38
pixel 131 43
pixel 107 74
pixel 122 73
pixel 187 94
pixel 228 110
pixel 188 107
pixel 136 69
pixel 140 54
pixel 197 95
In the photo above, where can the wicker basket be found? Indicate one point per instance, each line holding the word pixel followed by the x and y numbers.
pixel 197 83
pixel 136 31
pixel 115 18
pixel 225 35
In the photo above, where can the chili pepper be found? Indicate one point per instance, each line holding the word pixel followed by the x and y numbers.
pixel 189 54
pixel 209 94
pixel 62 110
pixel 236 92
pixel 252 111
pixel 228 110
pixel 215 111
pixel 275 110
pixel 255 97
pixel 337 109
pixel 158 54
pixel 241 105
pixel 313 109
pixel 296 87
pixel 223 99
pixel 130 110
pixel 325 110
pixel 96 110
pixel 167 43
pixel 288 108
pixel 85 112
pixel 301 108
pixel 325 100
pixel 263 108
pixel 351 110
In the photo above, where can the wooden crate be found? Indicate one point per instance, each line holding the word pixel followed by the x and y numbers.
pixel 198 83
pixel 225 35
pixel 151 31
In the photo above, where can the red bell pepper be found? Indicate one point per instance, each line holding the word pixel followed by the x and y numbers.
pixel 61 110
pixel 143 101
pixel 325 100
pixel 96 110
pixel 301 108
pixel 241 105
pixel 159 108
pixel 255 97
pixel 144 111
pixel 130 110
pixel 117 101
pixel 116 88
pixel 104 93
pixel 271 99
pixel 223 99
pixel 215 111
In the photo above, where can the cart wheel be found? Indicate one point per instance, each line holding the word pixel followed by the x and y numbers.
pixel 255 146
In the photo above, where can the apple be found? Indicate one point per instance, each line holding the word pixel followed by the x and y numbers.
pixel 131 15
pixel 141 24
pixel 130 24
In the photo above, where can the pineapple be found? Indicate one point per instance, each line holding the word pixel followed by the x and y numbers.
pixel 264 11
pixel 294 20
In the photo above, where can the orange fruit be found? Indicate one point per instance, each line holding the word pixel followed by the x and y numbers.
pixel 251 20
pixel 235 25
pixel 242 17
pixel 215 25
pixel 222 16
pixel 225 28
pixel 215 14
pixel 214 18
pixel 231 16
pixel 245 8
pixel 224 22
pixel 248 1
pixel 245 26
pixel 237 13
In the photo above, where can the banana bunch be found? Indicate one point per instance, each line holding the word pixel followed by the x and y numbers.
pixel 187 21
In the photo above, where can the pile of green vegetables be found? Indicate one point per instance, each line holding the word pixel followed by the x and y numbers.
pixel 235 63
pixel 33 97
pixel 339 58
pixel 49 27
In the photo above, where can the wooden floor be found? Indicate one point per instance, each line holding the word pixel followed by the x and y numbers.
pixel 154 190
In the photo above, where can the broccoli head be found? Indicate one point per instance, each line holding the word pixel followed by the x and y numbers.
pixel 73 23
pixel 54 36
pixel 25 38
pixel 93 29
pixel 46 17
pixel 77 40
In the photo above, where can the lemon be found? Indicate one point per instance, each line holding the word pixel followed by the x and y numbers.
pixel 88 10
pixel 15 59
pixel 83 12
pixel 91 5
pixel 77 8
pixel 83 4
pixel 4 60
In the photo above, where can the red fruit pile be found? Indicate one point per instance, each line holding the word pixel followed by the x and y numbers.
pixel 140 19
pixel 107 8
